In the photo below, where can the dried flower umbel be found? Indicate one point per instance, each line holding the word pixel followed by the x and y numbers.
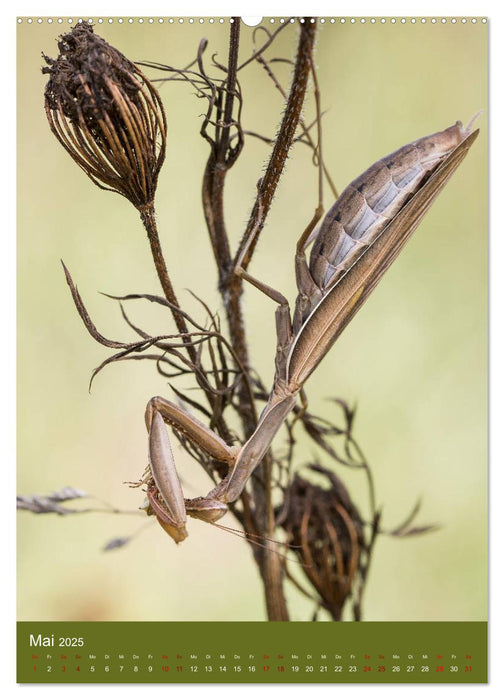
pixel 326 532
pixel 110 119
pixel 106 114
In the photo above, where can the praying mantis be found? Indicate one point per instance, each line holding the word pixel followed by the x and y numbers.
pixel 359 238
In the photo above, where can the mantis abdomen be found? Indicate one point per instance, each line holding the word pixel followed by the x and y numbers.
pixel 369 203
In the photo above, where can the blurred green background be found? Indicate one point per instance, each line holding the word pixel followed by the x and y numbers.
pixel 413 360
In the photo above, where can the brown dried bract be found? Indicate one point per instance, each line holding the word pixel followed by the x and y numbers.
pixel 106 114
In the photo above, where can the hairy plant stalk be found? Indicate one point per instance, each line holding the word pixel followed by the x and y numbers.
pixel 231 286
pixel 148 217
pixel 283 142
pixel 268 560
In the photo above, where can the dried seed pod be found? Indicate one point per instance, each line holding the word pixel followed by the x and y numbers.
pixel 106 114
pixel 326 532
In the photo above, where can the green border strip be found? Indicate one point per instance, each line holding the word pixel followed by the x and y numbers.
pixel 251 652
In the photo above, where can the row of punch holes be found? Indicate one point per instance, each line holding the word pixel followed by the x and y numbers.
pixel 253 21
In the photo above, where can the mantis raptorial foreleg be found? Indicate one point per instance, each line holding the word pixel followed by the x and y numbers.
pixel 194 429
pixel 172 510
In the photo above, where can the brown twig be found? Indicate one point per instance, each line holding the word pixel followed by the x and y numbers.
pixel 148 217
pixel 284 139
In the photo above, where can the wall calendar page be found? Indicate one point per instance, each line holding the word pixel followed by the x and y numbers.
pixel 252 349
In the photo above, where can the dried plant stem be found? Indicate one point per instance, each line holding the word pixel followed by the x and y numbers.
pixel 231 284
pixel 269 562
pixel 306 128
pixel 234 42
pixel 272 569
pixel 231 287
pixel 148 217
pixel 284 140
pixel 220 160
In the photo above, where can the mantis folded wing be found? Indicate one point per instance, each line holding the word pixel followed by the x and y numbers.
pixel 358 240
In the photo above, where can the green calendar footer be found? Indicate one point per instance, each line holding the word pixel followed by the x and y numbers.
pixel 252 652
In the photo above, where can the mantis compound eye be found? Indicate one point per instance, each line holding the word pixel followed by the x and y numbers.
pixel 207 509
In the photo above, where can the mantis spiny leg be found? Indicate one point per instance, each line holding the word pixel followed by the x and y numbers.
pixel 173 509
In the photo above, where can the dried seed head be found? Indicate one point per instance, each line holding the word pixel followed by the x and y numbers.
pixel 106 114
pixel 325 530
